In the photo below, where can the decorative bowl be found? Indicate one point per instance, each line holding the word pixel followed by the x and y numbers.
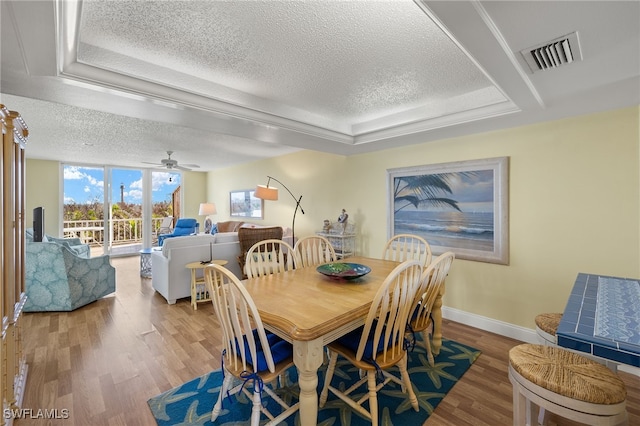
pixel 343 270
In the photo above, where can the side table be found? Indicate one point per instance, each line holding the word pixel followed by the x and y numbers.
pixel 145 263
pixel 199 292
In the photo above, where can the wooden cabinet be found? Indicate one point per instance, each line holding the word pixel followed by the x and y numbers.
pixel 13 375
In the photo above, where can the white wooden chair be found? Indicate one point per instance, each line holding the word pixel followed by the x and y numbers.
pixel 249 236
pixel 269 257
pixel 431 283
pixel 380 344
pixel 262 357
pixel 314 250
pixel 403 247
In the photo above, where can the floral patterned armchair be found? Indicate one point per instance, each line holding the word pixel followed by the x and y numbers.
pixel 73 244
pixel 57 279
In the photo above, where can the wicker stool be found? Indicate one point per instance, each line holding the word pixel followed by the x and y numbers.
pixel 546 327
pixel 566 384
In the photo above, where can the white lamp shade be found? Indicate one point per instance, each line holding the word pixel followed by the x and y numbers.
pixel 207 209
pixel 266 193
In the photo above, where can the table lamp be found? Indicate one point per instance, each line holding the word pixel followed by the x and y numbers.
pixel 207 209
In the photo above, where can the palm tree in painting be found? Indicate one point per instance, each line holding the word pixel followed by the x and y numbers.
pixel 425 190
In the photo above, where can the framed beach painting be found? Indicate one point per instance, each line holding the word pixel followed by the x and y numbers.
pixel 460 207
pixel 243 203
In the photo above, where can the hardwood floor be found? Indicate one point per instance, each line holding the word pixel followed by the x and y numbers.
pixel 105 360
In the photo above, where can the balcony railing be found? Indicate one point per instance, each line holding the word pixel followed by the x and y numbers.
pixel 123 231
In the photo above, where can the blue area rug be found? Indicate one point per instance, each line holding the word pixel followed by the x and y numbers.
pixel 192 402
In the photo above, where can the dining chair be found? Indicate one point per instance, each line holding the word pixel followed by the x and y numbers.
pixel 269 257
pixel 431 283
pixel 313 250
pixel 380 344
pixel 249 236
pixel 259 360
pixel 403 247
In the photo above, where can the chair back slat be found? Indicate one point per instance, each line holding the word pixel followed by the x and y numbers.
pixel 389 312
pixel 238 316
pixel 313 250
pixel 403 247
pixel 269 257
pixel 250 236
pixel 431 282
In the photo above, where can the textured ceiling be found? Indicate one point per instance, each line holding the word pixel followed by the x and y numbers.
pixel 227 82
pixel 331 64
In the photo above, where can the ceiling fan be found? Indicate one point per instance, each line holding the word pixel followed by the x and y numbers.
pixel 170 163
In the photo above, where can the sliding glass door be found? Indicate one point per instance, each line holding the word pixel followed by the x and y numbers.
pixel 125 204
pixel 118 211
pixel 165 198
pixel 83 206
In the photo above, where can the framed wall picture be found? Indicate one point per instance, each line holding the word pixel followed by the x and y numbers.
pixel 460 207
pixel 243 203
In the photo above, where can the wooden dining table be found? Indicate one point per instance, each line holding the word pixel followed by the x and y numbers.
pixel 310 310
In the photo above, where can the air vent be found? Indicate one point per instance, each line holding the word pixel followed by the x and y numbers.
pixel 553 54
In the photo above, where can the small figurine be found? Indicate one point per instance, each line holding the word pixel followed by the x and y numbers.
pixel 327 226
pixel 343 217
pixel 343 220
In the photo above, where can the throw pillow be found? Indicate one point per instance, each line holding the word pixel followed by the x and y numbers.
pixel 229 226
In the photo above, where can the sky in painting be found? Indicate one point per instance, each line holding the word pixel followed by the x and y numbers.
pixel 87 185
pixel 472 191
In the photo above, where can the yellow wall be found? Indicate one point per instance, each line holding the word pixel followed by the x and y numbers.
pixel 42 189
pixel 574 206
pixel 313 175
pixel 194 193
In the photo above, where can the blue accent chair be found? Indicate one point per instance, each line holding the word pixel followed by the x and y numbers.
pixel 57 279
pixel 184 226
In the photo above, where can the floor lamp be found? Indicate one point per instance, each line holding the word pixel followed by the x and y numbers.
pixel 271 193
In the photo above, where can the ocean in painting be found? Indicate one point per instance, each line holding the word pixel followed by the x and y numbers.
pixel 454 229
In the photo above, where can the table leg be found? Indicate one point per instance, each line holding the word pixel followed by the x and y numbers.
pixel 436 314
pixel 194 302
pixel 308 357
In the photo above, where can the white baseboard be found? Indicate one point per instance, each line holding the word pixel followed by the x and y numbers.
pixel 523 334
pixel 488 324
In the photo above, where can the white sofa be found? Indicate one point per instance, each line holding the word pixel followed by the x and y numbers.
pixel 171 279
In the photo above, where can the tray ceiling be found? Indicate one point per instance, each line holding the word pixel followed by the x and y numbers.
pixel 254 79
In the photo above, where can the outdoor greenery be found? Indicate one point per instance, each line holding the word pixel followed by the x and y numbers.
pixel 95 211
pixel 122 230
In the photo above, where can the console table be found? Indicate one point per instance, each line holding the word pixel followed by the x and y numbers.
pixel 602 318
pixel 343 243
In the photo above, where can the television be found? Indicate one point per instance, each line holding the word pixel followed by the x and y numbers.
pixel 38 224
